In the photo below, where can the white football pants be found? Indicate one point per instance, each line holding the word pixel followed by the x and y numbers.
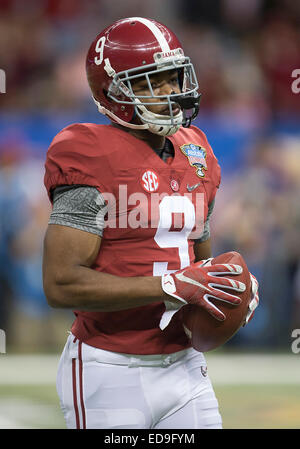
pixel 106 390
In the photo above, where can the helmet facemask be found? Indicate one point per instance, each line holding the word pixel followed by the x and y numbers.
pixel 121 91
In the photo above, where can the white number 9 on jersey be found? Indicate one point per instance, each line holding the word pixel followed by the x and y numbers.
pixel 175 239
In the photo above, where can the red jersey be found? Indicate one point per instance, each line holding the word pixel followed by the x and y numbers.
pixel 155 211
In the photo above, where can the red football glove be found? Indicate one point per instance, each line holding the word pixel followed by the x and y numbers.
pixel 200 281
pixel 254 299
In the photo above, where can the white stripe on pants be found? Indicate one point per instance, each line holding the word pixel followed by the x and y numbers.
pixel 105 390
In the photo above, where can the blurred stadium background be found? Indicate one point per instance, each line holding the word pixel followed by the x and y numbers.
pixel 244 53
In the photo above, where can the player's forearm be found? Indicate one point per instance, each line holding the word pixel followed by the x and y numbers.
pixel 88 289
pixel 202 250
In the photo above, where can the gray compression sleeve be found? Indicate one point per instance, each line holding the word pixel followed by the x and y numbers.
pixel 80 207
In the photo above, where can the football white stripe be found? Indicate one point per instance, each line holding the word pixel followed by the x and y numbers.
pixel 233 268
pixel 156 31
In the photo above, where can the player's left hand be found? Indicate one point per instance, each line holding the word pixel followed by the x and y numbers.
pixel 254 299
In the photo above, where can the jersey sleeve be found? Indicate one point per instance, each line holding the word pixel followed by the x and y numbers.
pixel 75 157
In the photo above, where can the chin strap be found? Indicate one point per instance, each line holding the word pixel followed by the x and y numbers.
pixel 154 122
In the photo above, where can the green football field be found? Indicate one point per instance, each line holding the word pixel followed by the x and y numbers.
pixel 259 406
pixel 254 391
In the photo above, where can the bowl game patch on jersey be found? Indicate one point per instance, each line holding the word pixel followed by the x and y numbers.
pixel 196 156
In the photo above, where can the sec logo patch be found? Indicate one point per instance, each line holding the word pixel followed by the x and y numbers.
pixel 150 181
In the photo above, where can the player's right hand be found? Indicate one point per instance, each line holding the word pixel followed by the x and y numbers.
pixel 201 281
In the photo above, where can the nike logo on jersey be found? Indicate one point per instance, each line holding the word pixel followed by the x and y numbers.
pixel 191 188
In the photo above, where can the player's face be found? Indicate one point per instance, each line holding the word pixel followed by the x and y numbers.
pixel 163 83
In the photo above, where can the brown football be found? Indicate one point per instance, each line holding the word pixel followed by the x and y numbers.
pixel 207 333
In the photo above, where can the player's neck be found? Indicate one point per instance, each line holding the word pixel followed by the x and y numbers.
pixel 155 141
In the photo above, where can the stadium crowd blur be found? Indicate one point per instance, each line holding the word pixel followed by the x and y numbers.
pixel 244 54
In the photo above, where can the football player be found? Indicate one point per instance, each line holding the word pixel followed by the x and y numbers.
pixel 128 236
